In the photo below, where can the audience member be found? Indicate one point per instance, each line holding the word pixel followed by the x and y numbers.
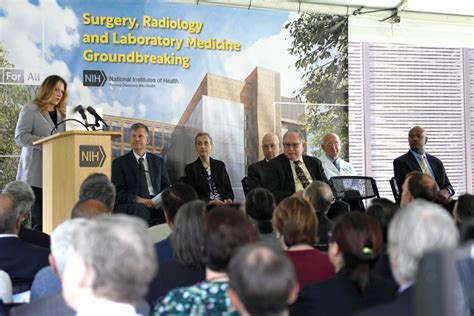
pixel 415 229
pixel 110 265
pixel 208 176
pixel 256 171
pixel 292 171
pixel 355 245
pixel 418 185
pixel 21 260
pixel 47 281
pixel 383 210
pixel 416 159
pixel 338 209
pixel 320 195
pixel 24 198
pixel 173 198
pixel 186 267
pixel 259 206
pixel 5 287
pixel 98 186
pixel 262 281
pixel 296 224
pixel 139 176
pixel 89 208
pixel 464 208
pixel 225 231
pixel 333 165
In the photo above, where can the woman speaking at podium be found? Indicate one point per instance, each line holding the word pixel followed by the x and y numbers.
pixel 39 119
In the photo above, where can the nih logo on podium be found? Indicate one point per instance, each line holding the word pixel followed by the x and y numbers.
pixel 93 78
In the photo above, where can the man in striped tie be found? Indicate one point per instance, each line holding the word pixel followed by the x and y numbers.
pixel 416 159
pixel 291 172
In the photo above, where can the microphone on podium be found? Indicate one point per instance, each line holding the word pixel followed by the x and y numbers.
pixel 81 111
pixel 98 118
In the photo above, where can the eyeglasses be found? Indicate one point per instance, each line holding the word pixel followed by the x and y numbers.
pixel 333 144
pixel 294 145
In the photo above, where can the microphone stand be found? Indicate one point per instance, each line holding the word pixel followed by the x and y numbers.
pixel 68 120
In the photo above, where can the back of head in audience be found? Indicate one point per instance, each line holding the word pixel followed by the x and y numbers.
pixel 464 208
pixel 89 208
pixel 355 245
pixel 337 209
pixel 262 281
pixel 419 227
pixel 296 222
pixel 259 205
pixel 174 197
pixel 383 210
pixel 9 215
pixel 320 195
pixel 98 186
pixel 418 185
pixel 61 241
pixel 225 230
pixel 111 258
pixel 22 194
pixel 189 227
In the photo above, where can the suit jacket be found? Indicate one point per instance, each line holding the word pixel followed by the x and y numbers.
pixel 21 260
pixel 345 168
pixel 33 125
pixel 256 175
pixel 196 177
pixel 51 305
pixel 338 296
pixel 125 176
pixel 34 237
pixel 402 305
pixel 407 163
pixel 279 178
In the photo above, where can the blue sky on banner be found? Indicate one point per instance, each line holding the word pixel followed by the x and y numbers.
pixel 264 42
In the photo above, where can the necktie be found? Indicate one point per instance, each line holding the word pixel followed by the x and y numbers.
pixel 144 193
pixel 336 164
pixel 424 166
pixel 300 175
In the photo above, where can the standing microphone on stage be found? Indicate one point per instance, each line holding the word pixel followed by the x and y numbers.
pixel 98 118
pixel 81 111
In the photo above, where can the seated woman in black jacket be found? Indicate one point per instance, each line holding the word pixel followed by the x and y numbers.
pixel 354 247
pixel 206 175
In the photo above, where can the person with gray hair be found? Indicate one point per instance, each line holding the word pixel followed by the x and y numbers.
pixel 262 281
pixel 333 165
pixel 110 264
pixel 320 195
pixel 98 186
pixel 47 281
pixel 416 229
pixel 24 199
pixel 21 260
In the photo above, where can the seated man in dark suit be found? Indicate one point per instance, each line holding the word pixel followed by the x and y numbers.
pixel 24 199
pixel 256 171
pixel 138 177
pixel 292 171
pixel 416 159
pixel 21 260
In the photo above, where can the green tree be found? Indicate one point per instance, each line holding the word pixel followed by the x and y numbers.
pixel 11 97
pixel 320 44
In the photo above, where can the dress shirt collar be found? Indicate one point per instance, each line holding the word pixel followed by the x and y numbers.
pixel 138 157
pixel 8 235
pixel 331 159
pixel 404 287
pixel 100 306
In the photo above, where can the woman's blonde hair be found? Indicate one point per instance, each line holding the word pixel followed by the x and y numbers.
pixel 45 92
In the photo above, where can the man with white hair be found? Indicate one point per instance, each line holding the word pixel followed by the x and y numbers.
pixel 416 229
pixel 332 163
pixel 24 199
pixel 110 265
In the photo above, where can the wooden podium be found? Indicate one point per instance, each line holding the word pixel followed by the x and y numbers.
pixel 68 158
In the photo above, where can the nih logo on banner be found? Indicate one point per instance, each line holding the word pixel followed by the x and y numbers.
pixel 93 78
pixel 20 76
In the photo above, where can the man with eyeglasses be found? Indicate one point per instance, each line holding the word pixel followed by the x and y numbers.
pixel 291 172
pixel 333 165
pixel 256 171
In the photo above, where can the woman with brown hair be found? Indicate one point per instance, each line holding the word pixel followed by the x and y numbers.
pixel 354 247
pixel 296 224
pixel 39 119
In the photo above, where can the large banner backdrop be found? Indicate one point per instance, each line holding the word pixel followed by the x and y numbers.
pixel 234 73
